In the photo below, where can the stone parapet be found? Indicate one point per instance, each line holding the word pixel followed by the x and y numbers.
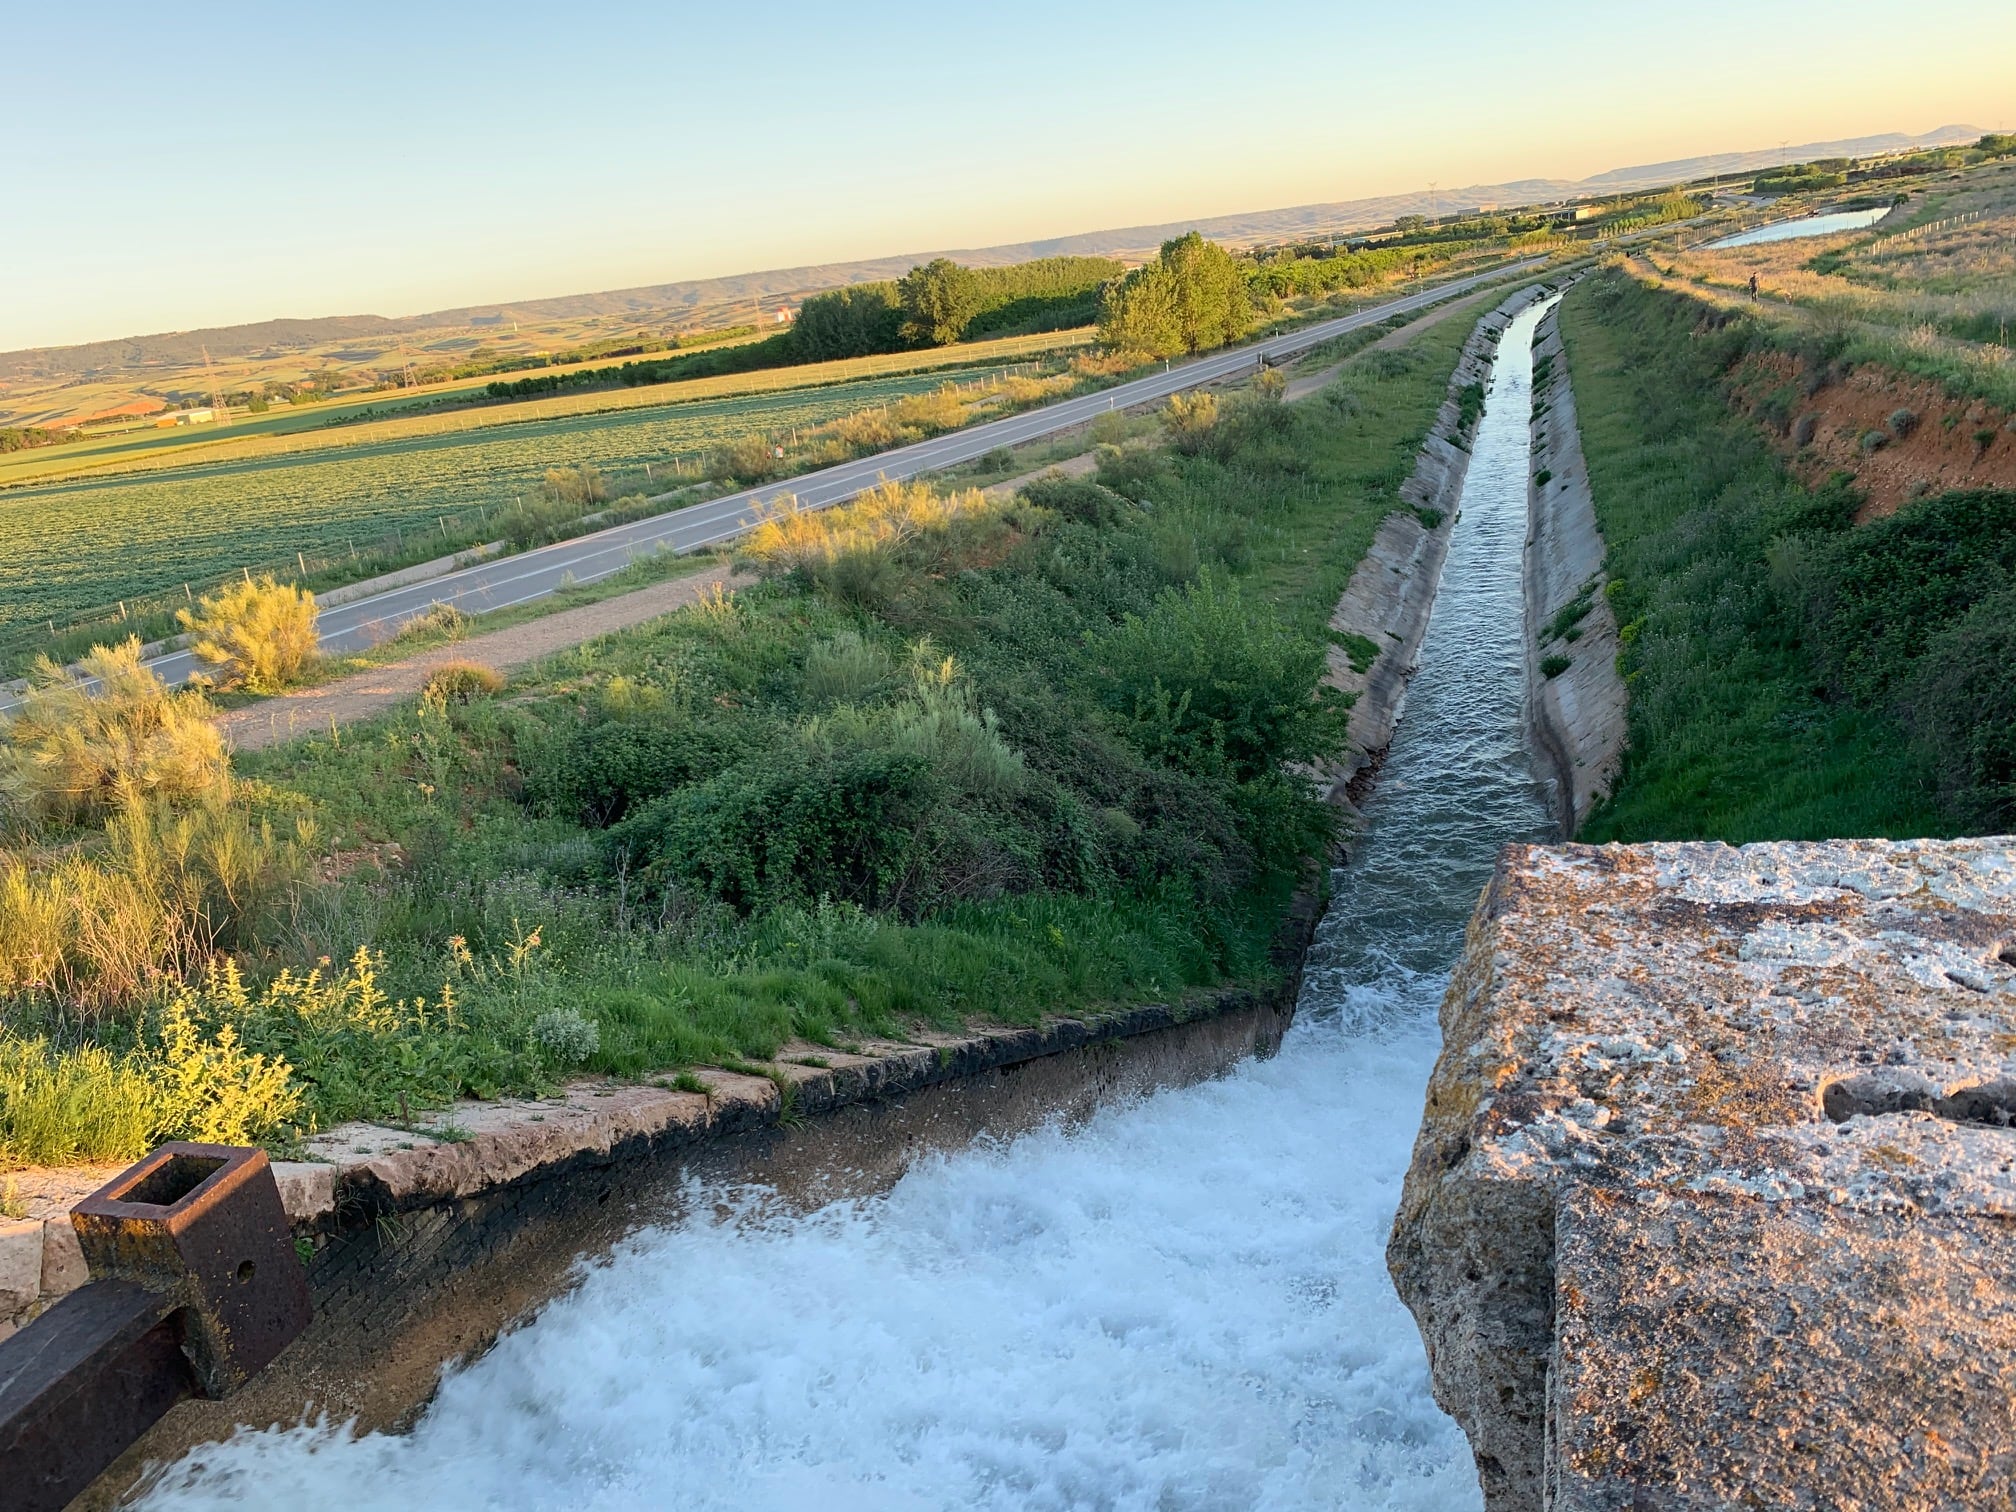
pixel 1711 1205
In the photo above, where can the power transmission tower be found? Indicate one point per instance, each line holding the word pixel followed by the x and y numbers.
pixel 218 414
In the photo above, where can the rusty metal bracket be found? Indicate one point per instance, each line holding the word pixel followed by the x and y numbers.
pixel 195 1288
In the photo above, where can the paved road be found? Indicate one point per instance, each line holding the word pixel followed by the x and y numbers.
pixel 584 559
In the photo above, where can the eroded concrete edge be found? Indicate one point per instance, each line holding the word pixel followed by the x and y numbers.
pixel 1576 718
pixel 422 1251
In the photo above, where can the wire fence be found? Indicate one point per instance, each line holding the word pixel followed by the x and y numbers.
pixel 1946 224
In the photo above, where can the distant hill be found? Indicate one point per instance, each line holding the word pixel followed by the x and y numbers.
pixel 698 302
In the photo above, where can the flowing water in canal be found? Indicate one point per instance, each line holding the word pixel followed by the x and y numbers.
pixel 1179 1305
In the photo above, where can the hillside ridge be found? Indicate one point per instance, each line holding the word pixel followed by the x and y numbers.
pixel 693 297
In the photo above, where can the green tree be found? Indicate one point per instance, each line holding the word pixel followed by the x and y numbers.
pixel 940 300
pixel 852 322
pixel 1192 298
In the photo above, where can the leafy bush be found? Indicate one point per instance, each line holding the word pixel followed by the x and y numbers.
pixel 566 1037
pixel 1959 700
pixel 846 669
pixel 83 743
pixel 1553 666
pixel 1090 503
pixel 438 619
pixel 1903 422
pixel 461 682
pixel 258 634
pixel 749 460
pixel 1882 591
pixel 1211 682
pixel 887 515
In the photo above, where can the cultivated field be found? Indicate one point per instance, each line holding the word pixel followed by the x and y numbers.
pixel 82 544
pixel 286 432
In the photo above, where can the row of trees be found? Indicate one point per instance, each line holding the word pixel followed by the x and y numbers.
pixel 941 302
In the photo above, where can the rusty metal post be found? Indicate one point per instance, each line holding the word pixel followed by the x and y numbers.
pixel 195 1288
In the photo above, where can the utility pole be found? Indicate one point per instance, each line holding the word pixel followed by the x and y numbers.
pixel 1435 199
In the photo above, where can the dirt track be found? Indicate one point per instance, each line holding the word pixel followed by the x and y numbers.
pixel 364 694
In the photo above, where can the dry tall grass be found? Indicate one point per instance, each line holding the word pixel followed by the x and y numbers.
pixel 72 755
pixel 161 891
pixel 885 517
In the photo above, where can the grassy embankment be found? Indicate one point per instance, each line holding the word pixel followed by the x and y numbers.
pixel 951 761
pixel 1929 291
pixel 1792 675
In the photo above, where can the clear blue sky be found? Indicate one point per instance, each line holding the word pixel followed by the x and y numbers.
pixel 171 166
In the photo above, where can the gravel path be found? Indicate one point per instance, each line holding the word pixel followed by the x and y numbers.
pixel 363 694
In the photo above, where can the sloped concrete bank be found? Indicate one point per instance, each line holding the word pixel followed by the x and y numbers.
pixel 1575 701
pixel 1392 592
pixel 1711 1204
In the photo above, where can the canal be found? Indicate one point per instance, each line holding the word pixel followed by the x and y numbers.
pixel 1179 1305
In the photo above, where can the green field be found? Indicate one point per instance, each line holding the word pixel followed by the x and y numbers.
pixel 72 547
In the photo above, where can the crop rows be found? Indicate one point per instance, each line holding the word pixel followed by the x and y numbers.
pixel 74 547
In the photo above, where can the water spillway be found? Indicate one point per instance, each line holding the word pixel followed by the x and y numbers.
pixel 1181 1303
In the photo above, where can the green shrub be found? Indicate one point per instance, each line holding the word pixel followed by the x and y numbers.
pixel 1959 700
pixel 1210 681
pixel 1189 418
pixel 846 669
pixel 1882 591
pixel 1553 666
pixel 1095 504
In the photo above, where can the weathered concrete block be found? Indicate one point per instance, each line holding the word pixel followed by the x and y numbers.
pixel 1711 1203
pixel 63 1267
pixel 20 1265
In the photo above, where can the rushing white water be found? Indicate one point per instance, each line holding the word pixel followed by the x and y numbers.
pixel 1805 225
pixel 1179 1306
